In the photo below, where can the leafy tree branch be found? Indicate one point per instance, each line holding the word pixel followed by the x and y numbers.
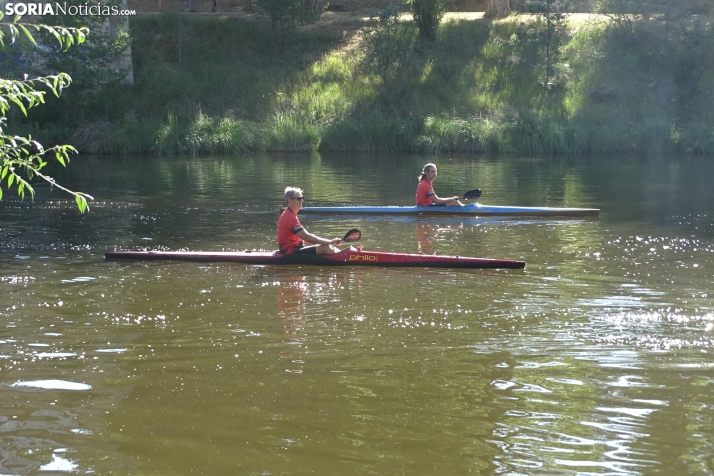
pixel 21 158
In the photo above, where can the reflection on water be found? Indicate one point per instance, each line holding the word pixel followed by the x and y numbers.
pixel 425 235
pixel 596 359
pixel 291 302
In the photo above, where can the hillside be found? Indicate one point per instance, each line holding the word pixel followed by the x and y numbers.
pixel 222 84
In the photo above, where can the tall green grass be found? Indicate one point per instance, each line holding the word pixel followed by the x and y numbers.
pixel 474 135
pixel 374 131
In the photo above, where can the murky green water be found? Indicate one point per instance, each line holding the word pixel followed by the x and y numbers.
pixel 595 359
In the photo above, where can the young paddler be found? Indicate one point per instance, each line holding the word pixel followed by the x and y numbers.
pixel 425 195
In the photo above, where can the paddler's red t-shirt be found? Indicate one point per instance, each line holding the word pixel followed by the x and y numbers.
pixel 424 193
pixel 288 225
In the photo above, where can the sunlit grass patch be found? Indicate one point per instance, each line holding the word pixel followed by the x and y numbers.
pixel 453 134
pixel 290 132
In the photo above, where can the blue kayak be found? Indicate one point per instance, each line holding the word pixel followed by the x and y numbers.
pixel 475 209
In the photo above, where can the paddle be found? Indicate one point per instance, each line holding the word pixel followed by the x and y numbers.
pixel 353 235
pixel 472 194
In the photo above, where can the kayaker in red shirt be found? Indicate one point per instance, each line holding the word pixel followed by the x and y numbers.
pixel 425 196
pixel 293 238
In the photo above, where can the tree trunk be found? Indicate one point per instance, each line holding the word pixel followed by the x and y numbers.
pixel 498 8
pixel 313 6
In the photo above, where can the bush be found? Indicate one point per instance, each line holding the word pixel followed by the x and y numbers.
pixel 387 46
pixel 283 16
pixel 553 15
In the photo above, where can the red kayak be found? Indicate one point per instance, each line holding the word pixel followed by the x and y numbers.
pixel 347 257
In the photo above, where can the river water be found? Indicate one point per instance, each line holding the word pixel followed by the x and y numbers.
pixel 595 359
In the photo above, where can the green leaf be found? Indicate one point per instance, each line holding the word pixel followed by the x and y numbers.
pixel 28 35
pixel 81 203
pixel 57 37
pixel 19 104
pixel 10 180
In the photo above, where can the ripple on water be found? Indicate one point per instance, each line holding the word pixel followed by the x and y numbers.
pixel 55 355
pixel 629 381
pixel 59 463
pixel 532 436
pixel 79 279
pixel 667 328
pixel 565 381
pixel 613 302
pixel 635 412
pixel 52 385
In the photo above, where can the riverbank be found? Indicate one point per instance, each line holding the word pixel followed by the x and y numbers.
pixel 219 84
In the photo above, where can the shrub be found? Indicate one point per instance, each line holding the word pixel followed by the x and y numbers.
pixel 387 45
pixel 553 15
pixel 283 16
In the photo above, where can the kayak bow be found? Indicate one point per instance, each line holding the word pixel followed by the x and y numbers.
pixel 475 209
pixel 347 257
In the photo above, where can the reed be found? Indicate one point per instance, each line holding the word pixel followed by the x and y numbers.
pixel 289 132
pixel 454 134
pixel 371 131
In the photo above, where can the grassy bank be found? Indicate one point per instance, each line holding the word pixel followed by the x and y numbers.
pixel 482 87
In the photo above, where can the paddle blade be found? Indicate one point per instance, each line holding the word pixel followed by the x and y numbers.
pixel 472 194
pixel 353 235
